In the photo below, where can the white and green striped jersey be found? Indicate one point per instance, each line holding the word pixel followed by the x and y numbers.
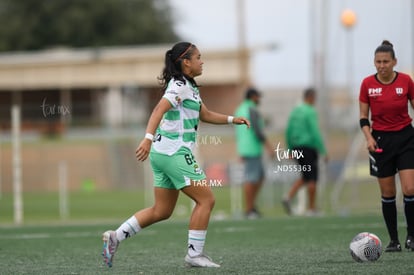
pixel 178 127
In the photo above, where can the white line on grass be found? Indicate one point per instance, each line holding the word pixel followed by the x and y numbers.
pixel 67 235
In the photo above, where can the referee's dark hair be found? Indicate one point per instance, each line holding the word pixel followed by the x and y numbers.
pixel 386 47
pixel 309 92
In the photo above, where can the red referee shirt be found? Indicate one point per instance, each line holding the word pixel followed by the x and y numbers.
pixel 388 102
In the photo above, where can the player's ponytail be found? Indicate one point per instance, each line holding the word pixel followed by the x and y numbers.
pixel 173 60
pixel 386 47
pixel 388 43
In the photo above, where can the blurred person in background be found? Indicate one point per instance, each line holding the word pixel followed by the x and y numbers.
pixel 304 135
pixel 169 140
pixel 250 147
pixel 390 140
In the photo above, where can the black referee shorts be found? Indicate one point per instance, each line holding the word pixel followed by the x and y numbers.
pixel 397 154
pixel 309 163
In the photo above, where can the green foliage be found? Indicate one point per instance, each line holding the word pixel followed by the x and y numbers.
pixel 34 24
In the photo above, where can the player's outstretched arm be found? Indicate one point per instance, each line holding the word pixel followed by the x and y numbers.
pixel 216 118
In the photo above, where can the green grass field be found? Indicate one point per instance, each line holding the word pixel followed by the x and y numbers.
pixel 276 244
pixel 110 205
pixel 286 245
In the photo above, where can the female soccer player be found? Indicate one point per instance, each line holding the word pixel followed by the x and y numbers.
pixel 391 142
pixel 174 122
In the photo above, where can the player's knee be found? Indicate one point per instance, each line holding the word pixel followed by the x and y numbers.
pixel 211 201
pixel 408 190
pixel 207 202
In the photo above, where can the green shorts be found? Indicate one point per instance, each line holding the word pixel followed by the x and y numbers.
pixel 176 171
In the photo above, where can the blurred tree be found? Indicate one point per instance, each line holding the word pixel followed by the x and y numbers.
pixel 39 24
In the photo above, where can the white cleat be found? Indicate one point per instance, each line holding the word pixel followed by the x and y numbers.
pixel 110 245
pixel 200 261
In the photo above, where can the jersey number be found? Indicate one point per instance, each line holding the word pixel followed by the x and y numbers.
pixel 189 158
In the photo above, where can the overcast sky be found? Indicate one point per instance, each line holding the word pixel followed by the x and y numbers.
pixel 213 24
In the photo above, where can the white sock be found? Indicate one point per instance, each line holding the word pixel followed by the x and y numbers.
pixel 128 229
pixel 196 239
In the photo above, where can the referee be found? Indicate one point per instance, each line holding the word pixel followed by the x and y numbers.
pixel 390 139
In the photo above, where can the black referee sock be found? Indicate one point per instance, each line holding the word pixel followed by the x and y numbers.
pixel 409 214
pixel 389 211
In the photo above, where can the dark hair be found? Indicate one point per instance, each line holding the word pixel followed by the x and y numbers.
pixel 251 92
pixel 173 60
pixel 386 47
pixel 309 92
